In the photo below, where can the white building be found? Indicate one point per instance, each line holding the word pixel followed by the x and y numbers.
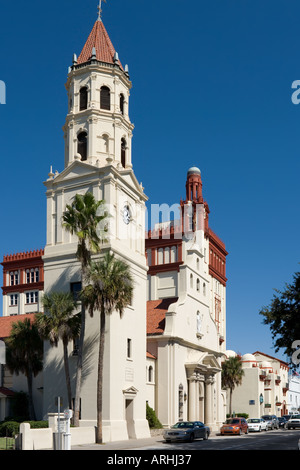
pixel 187 313
pixel 264 386
pixel 294 393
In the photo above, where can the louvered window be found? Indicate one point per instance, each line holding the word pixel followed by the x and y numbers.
pixel 82 145
pixel 105 98
pixel 122 103
pixel 123 152
pixel 83 98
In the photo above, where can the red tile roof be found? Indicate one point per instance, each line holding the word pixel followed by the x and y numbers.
pixel 151 356
pixel 7 392
pixel 6 323
pixel 156 314
pixel 99 39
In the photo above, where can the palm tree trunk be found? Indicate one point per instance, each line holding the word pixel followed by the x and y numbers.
pixel 79 369
pixel 99 436
pixel 230 403
pixel 67 374
pixel 30 398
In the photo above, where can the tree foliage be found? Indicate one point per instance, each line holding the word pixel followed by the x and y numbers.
pixel 232 375
pixel 283 317
pixel 109 288
pixel 24 354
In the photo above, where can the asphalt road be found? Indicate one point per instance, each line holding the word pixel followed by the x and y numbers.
pixel 281 439
pixel 271 440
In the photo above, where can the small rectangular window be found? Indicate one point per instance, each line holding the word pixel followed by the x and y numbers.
pixel 129 348
pixel 14 299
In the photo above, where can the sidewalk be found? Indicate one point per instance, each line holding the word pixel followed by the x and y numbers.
pixel 127 444
pixel 121 445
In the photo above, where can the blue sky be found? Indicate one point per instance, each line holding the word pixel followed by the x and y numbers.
pixel 211 88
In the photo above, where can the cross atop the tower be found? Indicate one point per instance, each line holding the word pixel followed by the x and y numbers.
pixel 99 9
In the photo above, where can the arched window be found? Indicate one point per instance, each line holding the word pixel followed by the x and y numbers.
pixel 82 145
pixel 83 98
pixel 123 152
pixel 191 281
pixel 105 98
pixel 150 374
pixel 122 103
pixel 198 285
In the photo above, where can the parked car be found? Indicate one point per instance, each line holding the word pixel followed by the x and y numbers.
pixel 186 431
pixel 272 420
pixel 293 422
pixel 287 417
pixel 257 424
pixel 234 426
pixel 282 422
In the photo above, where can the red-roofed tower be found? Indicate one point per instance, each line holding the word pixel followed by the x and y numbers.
pixel 98 129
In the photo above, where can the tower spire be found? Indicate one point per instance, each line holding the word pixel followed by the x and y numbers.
pixel 99 9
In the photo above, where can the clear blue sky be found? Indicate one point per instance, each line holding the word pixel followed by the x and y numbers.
pixel 211 88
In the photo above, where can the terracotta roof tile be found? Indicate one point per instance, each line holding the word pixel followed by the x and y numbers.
pixel 156 314
pixel 7 392
pixel 6 323
pixel 99 39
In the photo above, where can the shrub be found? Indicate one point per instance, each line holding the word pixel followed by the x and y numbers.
pixel 9 428
pixel 153 421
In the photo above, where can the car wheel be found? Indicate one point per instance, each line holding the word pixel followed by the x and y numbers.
pixel 167 440
pixel 205 436
pixel 259 430
pixel 240 432
pixel 191 438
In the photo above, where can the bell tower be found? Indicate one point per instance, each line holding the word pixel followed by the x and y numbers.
pixel 98 135
pixel 97 128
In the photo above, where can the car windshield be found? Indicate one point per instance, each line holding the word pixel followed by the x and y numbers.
pixel 183 424
pixel 232 421
pixel 267 418
pixel 254 420
pixel 295 417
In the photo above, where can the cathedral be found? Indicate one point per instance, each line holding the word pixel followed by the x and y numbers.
pixel 167 348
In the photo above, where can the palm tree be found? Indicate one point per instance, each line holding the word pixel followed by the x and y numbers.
pixel 80 218
pixel 59 322
pixel 232 374
pixel 24 354
pixel 109 287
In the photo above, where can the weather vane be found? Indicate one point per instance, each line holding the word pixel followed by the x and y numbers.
pixel 99 9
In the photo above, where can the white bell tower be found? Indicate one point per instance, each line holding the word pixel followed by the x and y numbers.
pixel 98 135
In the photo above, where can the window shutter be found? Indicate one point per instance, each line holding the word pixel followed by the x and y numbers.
pixel 105 98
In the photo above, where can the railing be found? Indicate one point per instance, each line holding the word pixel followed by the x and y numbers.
pixel 7 443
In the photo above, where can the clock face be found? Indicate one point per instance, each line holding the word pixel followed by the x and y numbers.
pixel 126 214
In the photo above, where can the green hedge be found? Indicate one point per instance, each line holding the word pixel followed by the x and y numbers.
pixel 153 421
pixel 11 428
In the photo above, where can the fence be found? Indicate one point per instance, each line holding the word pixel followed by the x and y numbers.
pixel 7 443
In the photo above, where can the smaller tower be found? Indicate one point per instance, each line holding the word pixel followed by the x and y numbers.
pixel 194 210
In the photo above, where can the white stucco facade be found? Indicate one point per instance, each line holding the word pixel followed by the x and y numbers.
pixel 264 386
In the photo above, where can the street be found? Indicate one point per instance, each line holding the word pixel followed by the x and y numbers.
pixel 281 439
pixel 271 440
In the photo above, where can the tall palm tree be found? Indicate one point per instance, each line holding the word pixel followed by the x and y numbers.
pixel 232 374
pixel 81 218
pixel 24 354
pixel 59 322
pixel 109 287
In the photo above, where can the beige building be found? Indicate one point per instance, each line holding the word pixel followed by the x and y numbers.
pixel 264 386
pixel 186 313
